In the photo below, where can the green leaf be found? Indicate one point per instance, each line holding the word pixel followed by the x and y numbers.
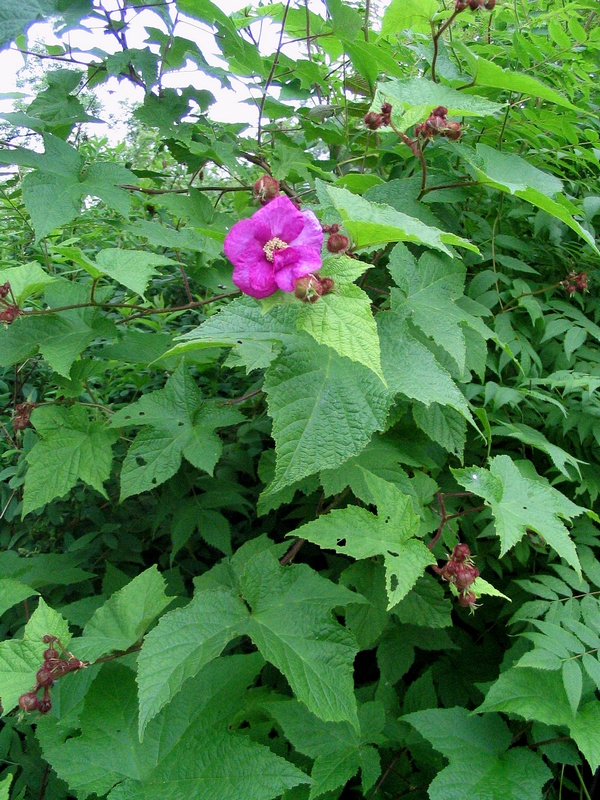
pixel 315 397
pixel 5 787
pixel 415 15
pixel 54 192
pixel 534 438
pixel 481 765
pixel 487 73
pixel 510 173
pixel 180 425
pixel 13 592
pixel 573 682
pixel 132 268
pixel 316 654
pixel 343 321
pixel 430 293
pixel 336 746
pixel 520 502
pixel 125 616
pixel 72 447
pixel 20 659
pixel 182 643
pixel 189 750
pixel 375 223
pixel 443 425
pixel 17 15
pixel 358 533
pixel 412 370
pixel 26 280
pixel 413 99
pixel 539 695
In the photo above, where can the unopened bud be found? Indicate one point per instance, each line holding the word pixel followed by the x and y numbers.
pixel 386 113
pixel 266 189
pixel 453 131
pixel 373 120
pixel 327 285
pixel 337 243
pixel 308 289
pixel 460 5
pixel 490 5
pixel 440 111
pixel 4 290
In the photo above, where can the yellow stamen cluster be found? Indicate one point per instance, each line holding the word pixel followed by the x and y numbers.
pixel 274 244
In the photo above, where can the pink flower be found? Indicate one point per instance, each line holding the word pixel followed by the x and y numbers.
pixel 273 248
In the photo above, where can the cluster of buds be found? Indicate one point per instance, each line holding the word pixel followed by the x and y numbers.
pixel 575 282
pixel 311 287
pixel 10 311
pixel 460 571
pixel 474 5
pixel 373 120
pixel 54 666
pixel 436 124
pixel 336 241
pixel 22 415
pixel 266 189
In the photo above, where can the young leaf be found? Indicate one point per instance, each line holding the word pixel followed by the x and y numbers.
pixel 343 320
pixel 375 223
pixel 519 503
pixel 357 533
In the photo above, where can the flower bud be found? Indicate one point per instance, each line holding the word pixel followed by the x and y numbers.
pixel 373 120
pixel 386 113
pixel 308 289
pixel 453 131
pixel 9 314
pixel 461 553
pixel 334 228
pixel 29 701
pixel 475 4
pixel 467 600
pixel 490 5
pixel 327 285
pixel 266 189
pixel 337 243
pixel 4 290
pixel 460 5
pixel 440 111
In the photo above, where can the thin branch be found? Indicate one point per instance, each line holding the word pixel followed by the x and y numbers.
pixel 263 99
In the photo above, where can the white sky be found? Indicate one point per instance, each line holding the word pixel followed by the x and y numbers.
pixel 228 108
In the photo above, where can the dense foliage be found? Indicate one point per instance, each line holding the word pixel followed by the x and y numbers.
pixel 331 536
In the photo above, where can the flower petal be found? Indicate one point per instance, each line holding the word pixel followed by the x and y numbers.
pixel 293 263
pixel 311 234
pixel 244 242
pixel 256 278
pixel 281 217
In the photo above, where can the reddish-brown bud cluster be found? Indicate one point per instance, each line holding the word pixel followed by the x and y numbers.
pixel 436 124
pixel 575 282
pixel 474 5
pixel 311 287
pixel 373 120
pixel 460 571
pixel 266 189
pixel 22 415
pixel 54 666
pixel 337 243
pixel 10 311
pixel 331 228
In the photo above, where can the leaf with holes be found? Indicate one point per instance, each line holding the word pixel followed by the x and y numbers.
pixel 179 425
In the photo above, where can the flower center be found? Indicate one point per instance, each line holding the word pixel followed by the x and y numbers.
pixel 274 244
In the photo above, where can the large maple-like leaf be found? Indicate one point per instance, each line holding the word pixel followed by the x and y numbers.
pixel 481 765
pixel 177 424
pixel 315 654
pixel 356 532
pixel 188 750
pixel 72 447
pixel 520 500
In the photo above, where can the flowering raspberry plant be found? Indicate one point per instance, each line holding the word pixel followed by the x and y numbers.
pixel 274 248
